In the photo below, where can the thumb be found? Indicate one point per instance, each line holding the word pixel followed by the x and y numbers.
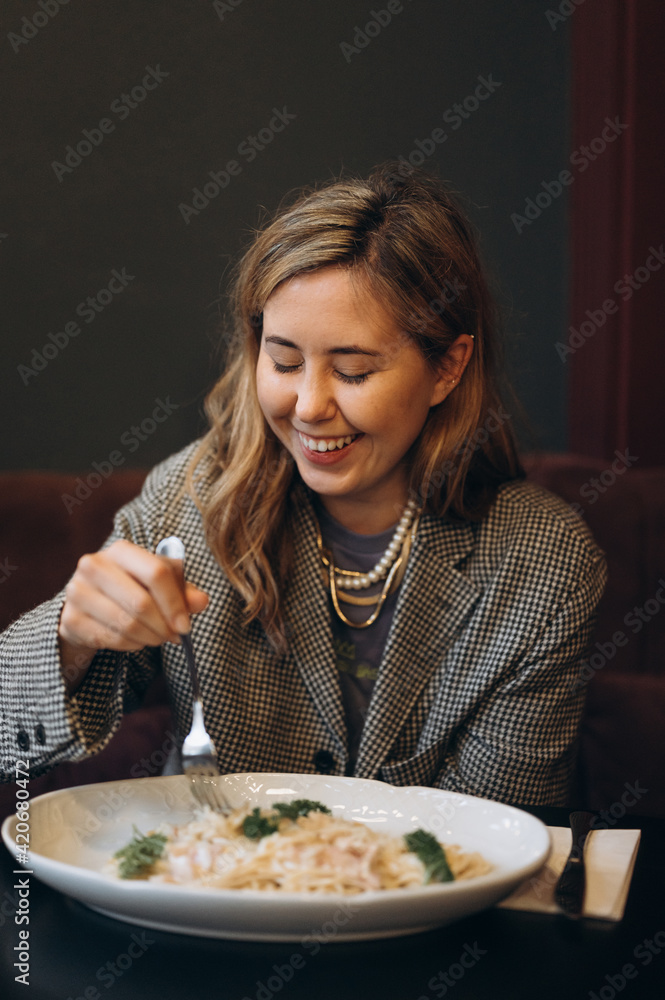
pixel 197 600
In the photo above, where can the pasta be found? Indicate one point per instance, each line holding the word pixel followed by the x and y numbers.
pixel 312 852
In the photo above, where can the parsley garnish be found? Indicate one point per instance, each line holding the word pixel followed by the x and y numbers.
pixel 256 826
pixel 431 853
pixel 299 807
pixel 140 854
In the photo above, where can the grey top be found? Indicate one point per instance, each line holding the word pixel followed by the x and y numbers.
pixel 358 652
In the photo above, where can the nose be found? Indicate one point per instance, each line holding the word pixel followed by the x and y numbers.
pixel 315 400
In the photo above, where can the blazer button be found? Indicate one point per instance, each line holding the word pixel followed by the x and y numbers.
pixel 40 734
pixel 324 762
pixel 23 740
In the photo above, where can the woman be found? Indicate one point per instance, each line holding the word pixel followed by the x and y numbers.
pixel 376 590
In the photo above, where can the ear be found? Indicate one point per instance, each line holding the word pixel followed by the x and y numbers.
pixel 451 368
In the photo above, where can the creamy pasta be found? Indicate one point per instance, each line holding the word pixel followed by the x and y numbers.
pixel 312 853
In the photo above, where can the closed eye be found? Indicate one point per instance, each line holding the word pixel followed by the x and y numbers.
pixel 342 376
pixel 284 369
pixel 353 379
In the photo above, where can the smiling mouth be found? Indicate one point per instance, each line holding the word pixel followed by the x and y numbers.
pixel 327 444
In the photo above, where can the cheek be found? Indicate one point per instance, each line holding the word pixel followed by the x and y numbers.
pixel 261 392
pixel 392 411
pixel 267 387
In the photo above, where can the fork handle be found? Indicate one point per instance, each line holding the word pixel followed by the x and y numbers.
pixel 173 548
pixel 186 640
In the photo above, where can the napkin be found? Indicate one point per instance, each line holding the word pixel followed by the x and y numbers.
pixel 609 857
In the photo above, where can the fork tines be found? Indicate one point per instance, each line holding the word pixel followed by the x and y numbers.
pixel 202 780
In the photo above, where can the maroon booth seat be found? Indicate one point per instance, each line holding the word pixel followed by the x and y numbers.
pixel 622 751
pixel 622 747
pixel 45 527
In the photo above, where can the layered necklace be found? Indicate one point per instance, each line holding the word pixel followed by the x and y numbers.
pixel 345 583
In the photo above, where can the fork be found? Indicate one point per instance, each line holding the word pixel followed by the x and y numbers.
pixel 198 754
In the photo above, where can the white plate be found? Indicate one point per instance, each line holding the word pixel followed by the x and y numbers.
pixel 74 832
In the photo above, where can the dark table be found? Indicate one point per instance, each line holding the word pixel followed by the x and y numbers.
pixel 77 953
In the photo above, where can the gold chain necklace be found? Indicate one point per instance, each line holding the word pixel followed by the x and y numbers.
pixel 392 581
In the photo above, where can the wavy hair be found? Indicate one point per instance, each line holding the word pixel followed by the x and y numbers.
pixel 408 245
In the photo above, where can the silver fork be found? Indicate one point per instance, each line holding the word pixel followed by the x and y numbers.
pixel 199 757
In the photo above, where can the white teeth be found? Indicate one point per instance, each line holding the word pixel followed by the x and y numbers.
pixel 330 444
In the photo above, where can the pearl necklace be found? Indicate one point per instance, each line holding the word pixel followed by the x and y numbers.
pixel 348 579
pixel 390 566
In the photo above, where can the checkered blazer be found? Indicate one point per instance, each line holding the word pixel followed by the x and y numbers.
pixel 476 690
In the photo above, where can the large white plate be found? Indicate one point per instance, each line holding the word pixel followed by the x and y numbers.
pixel 74 832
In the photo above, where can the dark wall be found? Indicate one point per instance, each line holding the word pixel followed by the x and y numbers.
pixel 72 393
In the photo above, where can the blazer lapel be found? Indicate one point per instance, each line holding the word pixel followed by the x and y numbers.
pixel 307 618
pixel 434 602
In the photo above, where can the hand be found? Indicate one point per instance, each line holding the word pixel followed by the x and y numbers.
pixel 123 598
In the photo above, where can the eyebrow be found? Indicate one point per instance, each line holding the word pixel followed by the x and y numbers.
pixel 350 349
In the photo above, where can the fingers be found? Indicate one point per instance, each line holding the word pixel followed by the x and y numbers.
pixel 197 600
pixel 90 619
pixel 126 598
pixel 162 578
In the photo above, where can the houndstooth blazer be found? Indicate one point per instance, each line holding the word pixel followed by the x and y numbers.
pixel 476 690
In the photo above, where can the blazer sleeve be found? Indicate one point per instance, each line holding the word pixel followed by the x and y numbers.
pixel 39 723
pixel 520 744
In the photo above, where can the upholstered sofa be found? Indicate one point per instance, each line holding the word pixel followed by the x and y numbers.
pixel 622 742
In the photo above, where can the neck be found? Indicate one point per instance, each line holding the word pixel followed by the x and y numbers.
pixel 363 518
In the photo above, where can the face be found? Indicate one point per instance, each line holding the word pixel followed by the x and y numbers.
pixel 346 394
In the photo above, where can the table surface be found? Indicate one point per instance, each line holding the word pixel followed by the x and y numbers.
pixel 77 953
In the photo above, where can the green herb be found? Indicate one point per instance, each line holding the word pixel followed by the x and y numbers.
pixel 256 826
pixel 299 807
pixel 431 853
pixel 140 854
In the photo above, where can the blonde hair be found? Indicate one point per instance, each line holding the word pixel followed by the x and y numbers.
pixel 408 245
